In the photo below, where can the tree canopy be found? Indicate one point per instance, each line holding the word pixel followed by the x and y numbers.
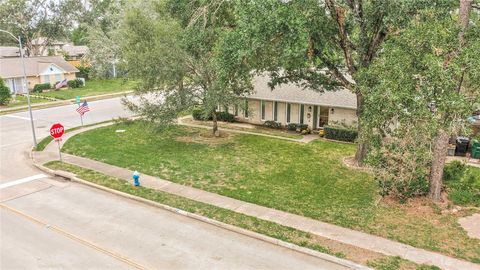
pixel 171 48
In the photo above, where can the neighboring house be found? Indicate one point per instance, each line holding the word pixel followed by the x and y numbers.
pixel 75 55
pixel 290 103
pixel 42 69
pixel 43 48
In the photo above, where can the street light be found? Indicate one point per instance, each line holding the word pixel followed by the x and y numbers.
pixel 24 84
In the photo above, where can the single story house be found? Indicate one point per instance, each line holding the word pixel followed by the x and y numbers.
pixel 42 69
pixel 290 103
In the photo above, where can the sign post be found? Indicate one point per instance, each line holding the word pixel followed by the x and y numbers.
pixel 56 131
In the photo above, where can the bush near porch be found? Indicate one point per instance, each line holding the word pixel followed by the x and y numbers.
pixel 305 179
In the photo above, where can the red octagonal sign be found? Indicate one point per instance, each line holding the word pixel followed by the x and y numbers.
pixel 57 130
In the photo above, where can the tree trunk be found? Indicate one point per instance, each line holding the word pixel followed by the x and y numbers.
pixel 216 132
pixel 362 146
pixel 438 163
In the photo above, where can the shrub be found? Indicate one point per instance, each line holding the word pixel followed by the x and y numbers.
pixel 38 88
pixel 340 134
pixel 301 127
pixel 197 114
pixel 403 190
pixel 273 124
pixel 225 116
pixel 292 126
pixel 77 83
pixel 83 72
pixel 306 131
pixel 5 95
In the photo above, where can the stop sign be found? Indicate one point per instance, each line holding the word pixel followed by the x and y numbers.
pixel 57 130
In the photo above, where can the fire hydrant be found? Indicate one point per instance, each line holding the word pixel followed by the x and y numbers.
pixel 136 178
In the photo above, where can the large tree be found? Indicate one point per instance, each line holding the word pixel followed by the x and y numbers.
pixel 321 45
pixel 170 47
pixel 420 91
pixel 38 22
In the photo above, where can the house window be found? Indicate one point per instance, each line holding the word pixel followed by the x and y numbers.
pixel 288 112
pixel 323 118
pixel 302 112
pixel 245 111
pixel 46 78
pixel 235 110
pixel 262 103
pixel 275 110
pixel 58 77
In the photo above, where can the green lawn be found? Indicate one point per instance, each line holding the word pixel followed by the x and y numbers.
pixel 463 184
pixel 92 88
pixel 22 101
pixel 306 179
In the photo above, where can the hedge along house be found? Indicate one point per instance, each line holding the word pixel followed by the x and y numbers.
pixel 290 103
pixel 42 69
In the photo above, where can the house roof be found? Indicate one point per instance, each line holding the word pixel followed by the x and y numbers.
pixel 42 40
pixel 342 98
pixel 9 52
pixel 12 67
pixel 73 50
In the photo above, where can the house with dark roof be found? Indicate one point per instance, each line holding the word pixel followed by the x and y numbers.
pixel 42 69
pixel 290 103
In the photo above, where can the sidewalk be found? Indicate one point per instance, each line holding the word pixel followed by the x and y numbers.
pixel 333 232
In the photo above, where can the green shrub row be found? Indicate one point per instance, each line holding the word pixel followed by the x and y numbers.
pixel 296 127
pixel 340 134
pixel 199 114
pixel 225 116
pixel 273 124
pixel 38 88
pixel 77 83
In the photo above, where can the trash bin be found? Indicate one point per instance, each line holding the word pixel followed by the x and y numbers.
pixel 476 149
pixel 462 146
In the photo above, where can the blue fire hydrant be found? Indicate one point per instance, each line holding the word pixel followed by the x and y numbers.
pixel 136 178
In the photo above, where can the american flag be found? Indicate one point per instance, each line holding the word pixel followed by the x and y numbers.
pixel 61 84
pixel 82 109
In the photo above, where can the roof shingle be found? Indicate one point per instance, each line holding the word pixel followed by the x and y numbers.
pixel 12 67
pixel 342 98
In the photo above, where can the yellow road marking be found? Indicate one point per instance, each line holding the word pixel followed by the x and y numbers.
pixel 76 238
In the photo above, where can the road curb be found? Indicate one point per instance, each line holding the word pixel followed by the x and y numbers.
pixel 72 177
pixel 58 103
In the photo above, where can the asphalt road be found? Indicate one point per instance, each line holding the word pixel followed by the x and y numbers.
pixel 47 223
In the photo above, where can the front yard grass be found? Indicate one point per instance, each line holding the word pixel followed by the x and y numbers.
pixel 268 228
pixel 92 88
pixel 305 179
pixel 22 101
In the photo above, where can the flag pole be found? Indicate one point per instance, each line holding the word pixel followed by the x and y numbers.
pixel 81 115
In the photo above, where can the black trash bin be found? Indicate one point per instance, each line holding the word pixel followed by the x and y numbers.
pixel 462 146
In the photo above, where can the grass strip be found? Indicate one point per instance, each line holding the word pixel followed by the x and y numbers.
pixel 45 141
pixel 250 223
